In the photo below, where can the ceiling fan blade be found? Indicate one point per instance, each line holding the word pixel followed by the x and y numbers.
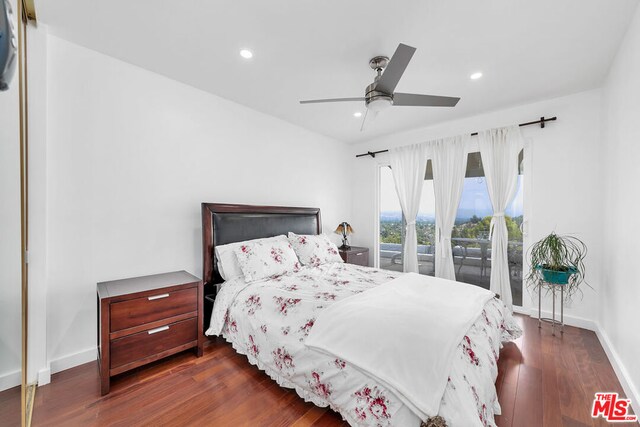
pixel 317 101
pixel 395 69
pixel 415 100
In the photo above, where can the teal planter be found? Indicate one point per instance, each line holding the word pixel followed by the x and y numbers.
pixel 557 277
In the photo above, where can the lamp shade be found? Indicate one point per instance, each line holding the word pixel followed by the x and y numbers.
pixel 344 228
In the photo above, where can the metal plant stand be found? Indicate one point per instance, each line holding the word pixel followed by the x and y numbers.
pixel 553 320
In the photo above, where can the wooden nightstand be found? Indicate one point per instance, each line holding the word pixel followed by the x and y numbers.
pixel 355 255
pixel 144 319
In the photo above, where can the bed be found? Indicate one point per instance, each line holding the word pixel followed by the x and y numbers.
pixel 270 321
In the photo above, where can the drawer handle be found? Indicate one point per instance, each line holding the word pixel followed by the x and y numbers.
pixel 156 330
pixel 158 297
pixel 359 254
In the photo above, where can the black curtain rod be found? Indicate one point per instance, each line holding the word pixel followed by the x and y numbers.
pixel 542 121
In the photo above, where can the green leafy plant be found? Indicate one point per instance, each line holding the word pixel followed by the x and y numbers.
pixel 558 254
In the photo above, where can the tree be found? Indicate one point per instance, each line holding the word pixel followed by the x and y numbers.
pixel 477 228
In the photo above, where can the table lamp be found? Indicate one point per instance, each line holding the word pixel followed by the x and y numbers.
pixel 345 229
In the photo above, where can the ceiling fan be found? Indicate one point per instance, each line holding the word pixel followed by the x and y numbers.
pixel 380 94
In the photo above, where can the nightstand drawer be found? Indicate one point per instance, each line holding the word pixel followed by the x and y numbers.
pixel 154 341
pixel 355 255
pixel 358 258
pixel 138 311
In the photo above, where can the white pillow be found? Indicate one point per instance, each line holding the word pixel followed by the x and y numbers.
pixel 314 250
pixel 228 266
pixel 260 260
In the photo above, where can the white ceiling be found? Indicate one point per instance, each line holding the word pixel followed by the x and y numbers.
pixel 305 49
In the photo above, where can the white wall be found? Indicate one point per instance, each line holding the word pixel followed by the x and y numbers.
pixel 131 155
pixel 563 179
pixel 10 278
pixel 620 286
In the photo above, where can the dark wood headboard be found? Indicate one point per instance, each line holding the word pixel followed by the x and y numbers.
pixel 226 223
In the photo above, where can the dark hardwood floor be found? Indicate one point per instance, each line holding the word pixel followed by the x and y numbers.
pixel 10 407
pixel 542 381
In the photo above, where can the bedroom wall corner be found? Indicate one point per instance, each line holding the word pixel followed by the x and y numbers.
pixel 621 134
pixel 131 155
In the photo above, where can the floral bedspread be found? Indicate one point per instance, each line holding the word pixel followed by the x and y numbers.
pixel 269 320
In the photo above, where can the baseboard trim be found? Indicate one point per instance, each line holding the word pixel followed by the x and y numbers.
pixel 10 380
pixel 579 322
pixel 44 376
pixel 621 372
pixel 73 360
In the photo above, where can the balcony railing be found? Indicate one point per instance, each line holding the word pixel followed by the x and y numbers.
pixel 471 259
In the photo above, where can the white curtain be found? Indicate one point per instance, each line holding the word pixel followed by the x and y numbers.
pixel 499 149
pixel 408 165
pixel 449 161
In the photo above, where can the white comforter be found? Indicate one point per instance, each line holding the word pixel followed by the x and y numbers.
pixel 269 321
pixel 403 311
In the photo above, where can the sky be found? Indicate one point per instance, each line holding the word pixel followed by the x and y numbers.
pixel 475 197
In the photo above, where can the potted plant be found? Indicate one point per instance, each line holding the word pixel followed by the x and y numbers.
pixel 558 260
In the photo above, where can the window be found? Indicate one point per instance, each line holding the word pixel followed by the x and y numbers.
pixel 470 236
pixel 392 226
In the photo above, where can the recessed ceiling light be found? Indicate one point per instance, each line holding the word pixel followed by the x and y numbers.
pixel 357 114
pixel 246 54
pixel 475 76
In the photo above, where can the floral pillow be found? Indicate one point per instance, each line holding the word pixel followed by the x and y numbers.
pixel 227 261
pixel 314 250
pixel 260 260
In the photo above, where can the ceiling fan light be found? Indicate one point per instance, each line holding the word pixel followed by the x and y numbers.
pixel 378 104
